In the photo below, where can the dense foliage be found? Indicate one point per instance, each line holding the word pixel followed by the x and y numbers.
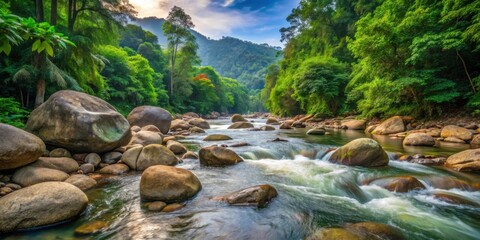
pixel 378 58
pixel 87 46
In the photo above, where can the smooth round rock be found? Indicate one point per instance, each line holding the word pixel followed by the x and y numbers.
pixel 419 139
pixel 60 152
pixel 41 204
pixel 372 230
pixel 390 126
pixel 190 155
pixel 259 196
pixel 399 184
pixel 115 169
pixel 355 124
pixel 238 118
pixel 150 115
pixel 333 234
pixel 87 168
pixel 79 122
pixel 155 206
pixel 81 181
pixel 240 125
pixel 93 159
pixel 364 152
pixel 316 131
pixel 218 156
pixel 18 147
pixel 155 154
pixel 456 132
pixel 176 147
pixel 63 164
pixel 465 161
pixel 146 138
pixel 168 184
pixel 199 122
pixel 111 157
pixel 217 137
pixel 28 175
pixel 272 121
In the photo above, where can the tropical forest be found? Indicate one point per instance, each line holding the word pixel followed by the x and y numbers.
pixel 240 119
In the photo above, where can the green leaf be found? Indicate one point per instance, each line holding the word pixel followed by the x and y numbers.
pixel 35 45
pixel 49 50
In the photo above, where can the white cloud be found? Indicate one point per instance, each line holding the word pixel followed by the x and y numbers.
pixel 207 19
pixel 228 3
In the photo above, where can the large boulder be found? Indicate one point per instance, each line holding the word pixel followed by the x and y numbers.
pixel 239 125
pixel 27 176
pixel 40 205
pixel 63 164
pixel 218 156
pixel 259 196
pixel 419 139
pixel 364 152
pixel 140 158
pixel 456 132
pixel 465 161
pixel 18 147
pixel 355 124
pixel 199 122
pixel 150 115
pixel 392 125
pixel 238 118
pixel 79 122
pixel 168 184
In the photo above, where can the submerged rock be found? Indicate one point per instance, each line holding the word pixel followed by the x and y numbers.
pixel 419 139
pixel 454 199
pixel 91 227
pixel 79 122
pixel 150 115
pixel 364 152
pixel 316 131
pixel 168 184
pixel 39 205
pixel 218 156
pixel 374 231
pixel 399 184
pixel 465 161
pixel 333 234
pixel 173 207
pixel 390 126
pixel 18 147
pixel 259 196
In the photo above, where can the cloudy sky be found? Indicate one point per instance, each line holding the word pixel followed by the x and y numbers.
pixel 253 20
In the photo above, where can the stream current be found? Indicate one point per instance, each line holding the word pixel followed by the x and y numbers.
pixel 313 194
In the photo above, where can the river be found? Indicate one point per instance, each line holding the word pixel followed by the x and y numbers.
pixel 313 194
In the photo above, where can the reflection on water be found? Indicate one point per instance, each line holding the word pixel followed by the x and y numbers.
pixel 313 193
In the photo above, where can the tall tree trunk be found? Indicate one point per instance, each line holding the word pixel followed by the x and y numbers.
pixel 466 72
pixel 39 60
pixel 39 10
pixel 54 13
pixel 72 14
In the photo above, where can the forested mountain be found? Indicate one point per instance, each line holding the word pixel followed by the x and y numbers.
pixel 378 58
pixel 231 57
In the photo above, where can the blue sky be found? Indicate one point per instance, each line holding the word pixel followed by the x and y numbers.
pixel 258 21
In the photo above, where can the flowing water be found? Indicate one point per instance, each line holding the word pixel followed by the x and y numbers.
pixel 313 194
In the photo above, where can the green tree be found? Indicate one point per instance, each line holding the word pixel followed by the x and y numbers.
pixel 176 28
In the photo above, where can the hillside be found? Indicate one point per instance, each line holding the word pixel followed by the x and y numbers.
pixel 234 58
